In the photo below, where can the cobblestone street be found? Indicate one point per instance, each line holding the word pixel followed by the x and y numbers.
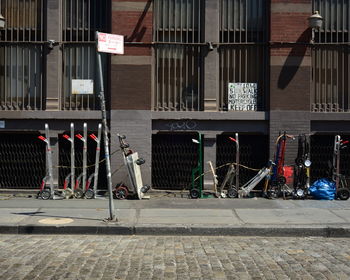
pixel 172 257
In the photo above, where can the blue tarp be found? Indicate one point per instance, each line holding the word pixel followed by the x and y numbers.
pixel 323 189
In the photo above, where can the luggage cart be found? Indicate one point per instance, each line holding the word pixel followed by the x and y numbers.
pixel 49 192
pixel 342 188
pixel 81 179
pixel 132 163
pixel 92 192
pixel 301 182
pixel 232 174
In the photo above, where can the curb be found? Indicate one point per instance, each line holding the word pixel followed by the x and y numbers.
pixel 180 230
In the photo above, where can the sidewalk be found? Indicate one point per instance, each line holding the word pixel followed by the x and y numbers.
pixel 164 215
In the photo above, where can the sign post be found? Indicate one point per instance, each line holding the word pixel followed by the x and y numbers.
pixel 114 44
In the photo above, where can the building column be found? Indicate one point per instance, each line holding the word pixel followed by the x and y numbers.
pixel 53 56
pixel 209 146
pixel 290 72
pixel 211 57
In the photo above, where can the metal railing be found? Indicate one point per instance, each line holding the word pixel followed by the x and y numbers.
pixel 80 20
pixel 21 61
pixel 178 64
pixel 330 58
pixel 243 46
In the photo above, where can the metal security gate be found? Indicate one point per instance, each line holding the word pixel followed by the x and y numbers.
pixel 253 153
pixel 64 160
pixel 22 160
pixel 173 157
pixel 321 156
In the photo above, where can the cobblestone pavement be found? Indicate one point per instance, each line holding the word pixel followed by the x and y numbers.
pixel 172 257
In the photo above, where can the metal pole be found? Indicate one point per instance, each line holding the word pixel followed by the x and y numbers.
pixel 49 159
pixel 97 163
pixel 237 162
pixel 84 157
pixel 112 215
pixel 72 157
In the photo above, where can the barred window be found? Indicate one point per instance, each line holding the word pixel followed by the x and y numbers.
pixel 178 66
pixel 330 58
pixel 243 46
pixel 21 60
pixel 81 19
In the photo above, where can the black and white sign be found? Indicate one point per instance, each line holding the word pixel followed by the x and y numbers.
pixel 242 96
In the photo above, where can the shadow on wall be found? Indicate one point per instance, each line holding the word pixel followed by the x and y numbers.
pixel 137 33
pixel 294 59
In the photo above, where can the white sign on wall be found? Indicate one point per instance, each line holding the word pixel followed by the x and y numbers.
pixel 242 96
pixel 82 86
pixel 110 43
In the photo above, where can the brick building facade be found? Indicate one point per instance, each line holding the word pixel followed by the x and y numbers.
pixel 171 83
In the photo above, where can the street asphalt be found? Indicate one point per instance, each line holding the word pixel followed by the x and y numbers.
pixel 164 215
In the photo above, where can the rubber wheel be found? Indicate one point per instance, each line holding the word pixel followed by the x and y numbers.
pixel 194 193
pixel 343 194
pixel 140 161
pixel 281 181
pixel 89 194
pixel 67 193
pixel 78 193
pixel 45 194
pixel 272 193
pixel 232 193
pixel 121 192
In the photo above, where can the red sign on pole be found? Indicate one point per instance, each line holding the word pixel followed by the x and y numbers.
pixel 110 43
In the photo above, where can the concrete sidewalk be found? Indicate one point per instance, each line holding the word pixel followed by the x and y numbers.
pixel 257 217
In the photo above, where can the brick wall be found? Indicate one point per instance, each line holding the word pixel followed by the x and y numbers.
pixel 131 73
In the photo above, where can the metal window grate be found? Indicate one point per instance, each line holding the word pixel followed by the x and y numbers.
pixel 22 161
pixel 81 19
pixel 21 58
pixel 173 157
pixel 178 65
pixel 243 46
pixel 330 58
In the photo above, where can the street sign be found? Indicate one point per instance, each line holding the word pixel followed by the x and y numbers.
pixel 82 86
pixel 242 96
pixel 110 43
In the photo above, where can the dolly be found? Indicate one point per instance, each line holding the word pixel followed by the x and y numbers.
pixel 44 192
pixel 132 163
pixel 302 168
pixel 196 189
pixel 342 189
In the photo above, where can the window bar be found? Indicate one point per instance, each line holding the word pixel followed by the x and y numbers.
pixel 23 92
pixel 192 56
pixel 5 77
pixel 77 21
pixel 83 21
pixel 246 39
pixel 228 51
pixel 89 21
pixel 181 49
pixel 30 78
pixel 186 54
pixel 199 32
pixel 36 20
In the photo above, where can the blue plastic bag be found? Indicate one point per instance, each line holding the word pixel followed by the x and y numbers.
pixel 323 189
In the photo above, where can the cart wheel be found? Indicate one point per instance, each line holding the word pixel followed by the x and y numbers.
pixel 299 193
pixel 121 192
pixel 232 193
pixel 78 193
pixel 343 194
pixel 67 193
pixel 194 193
pixel 140 161
pixel 281 181
pixel 45 194
pixel 89 194
pixel 272 192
